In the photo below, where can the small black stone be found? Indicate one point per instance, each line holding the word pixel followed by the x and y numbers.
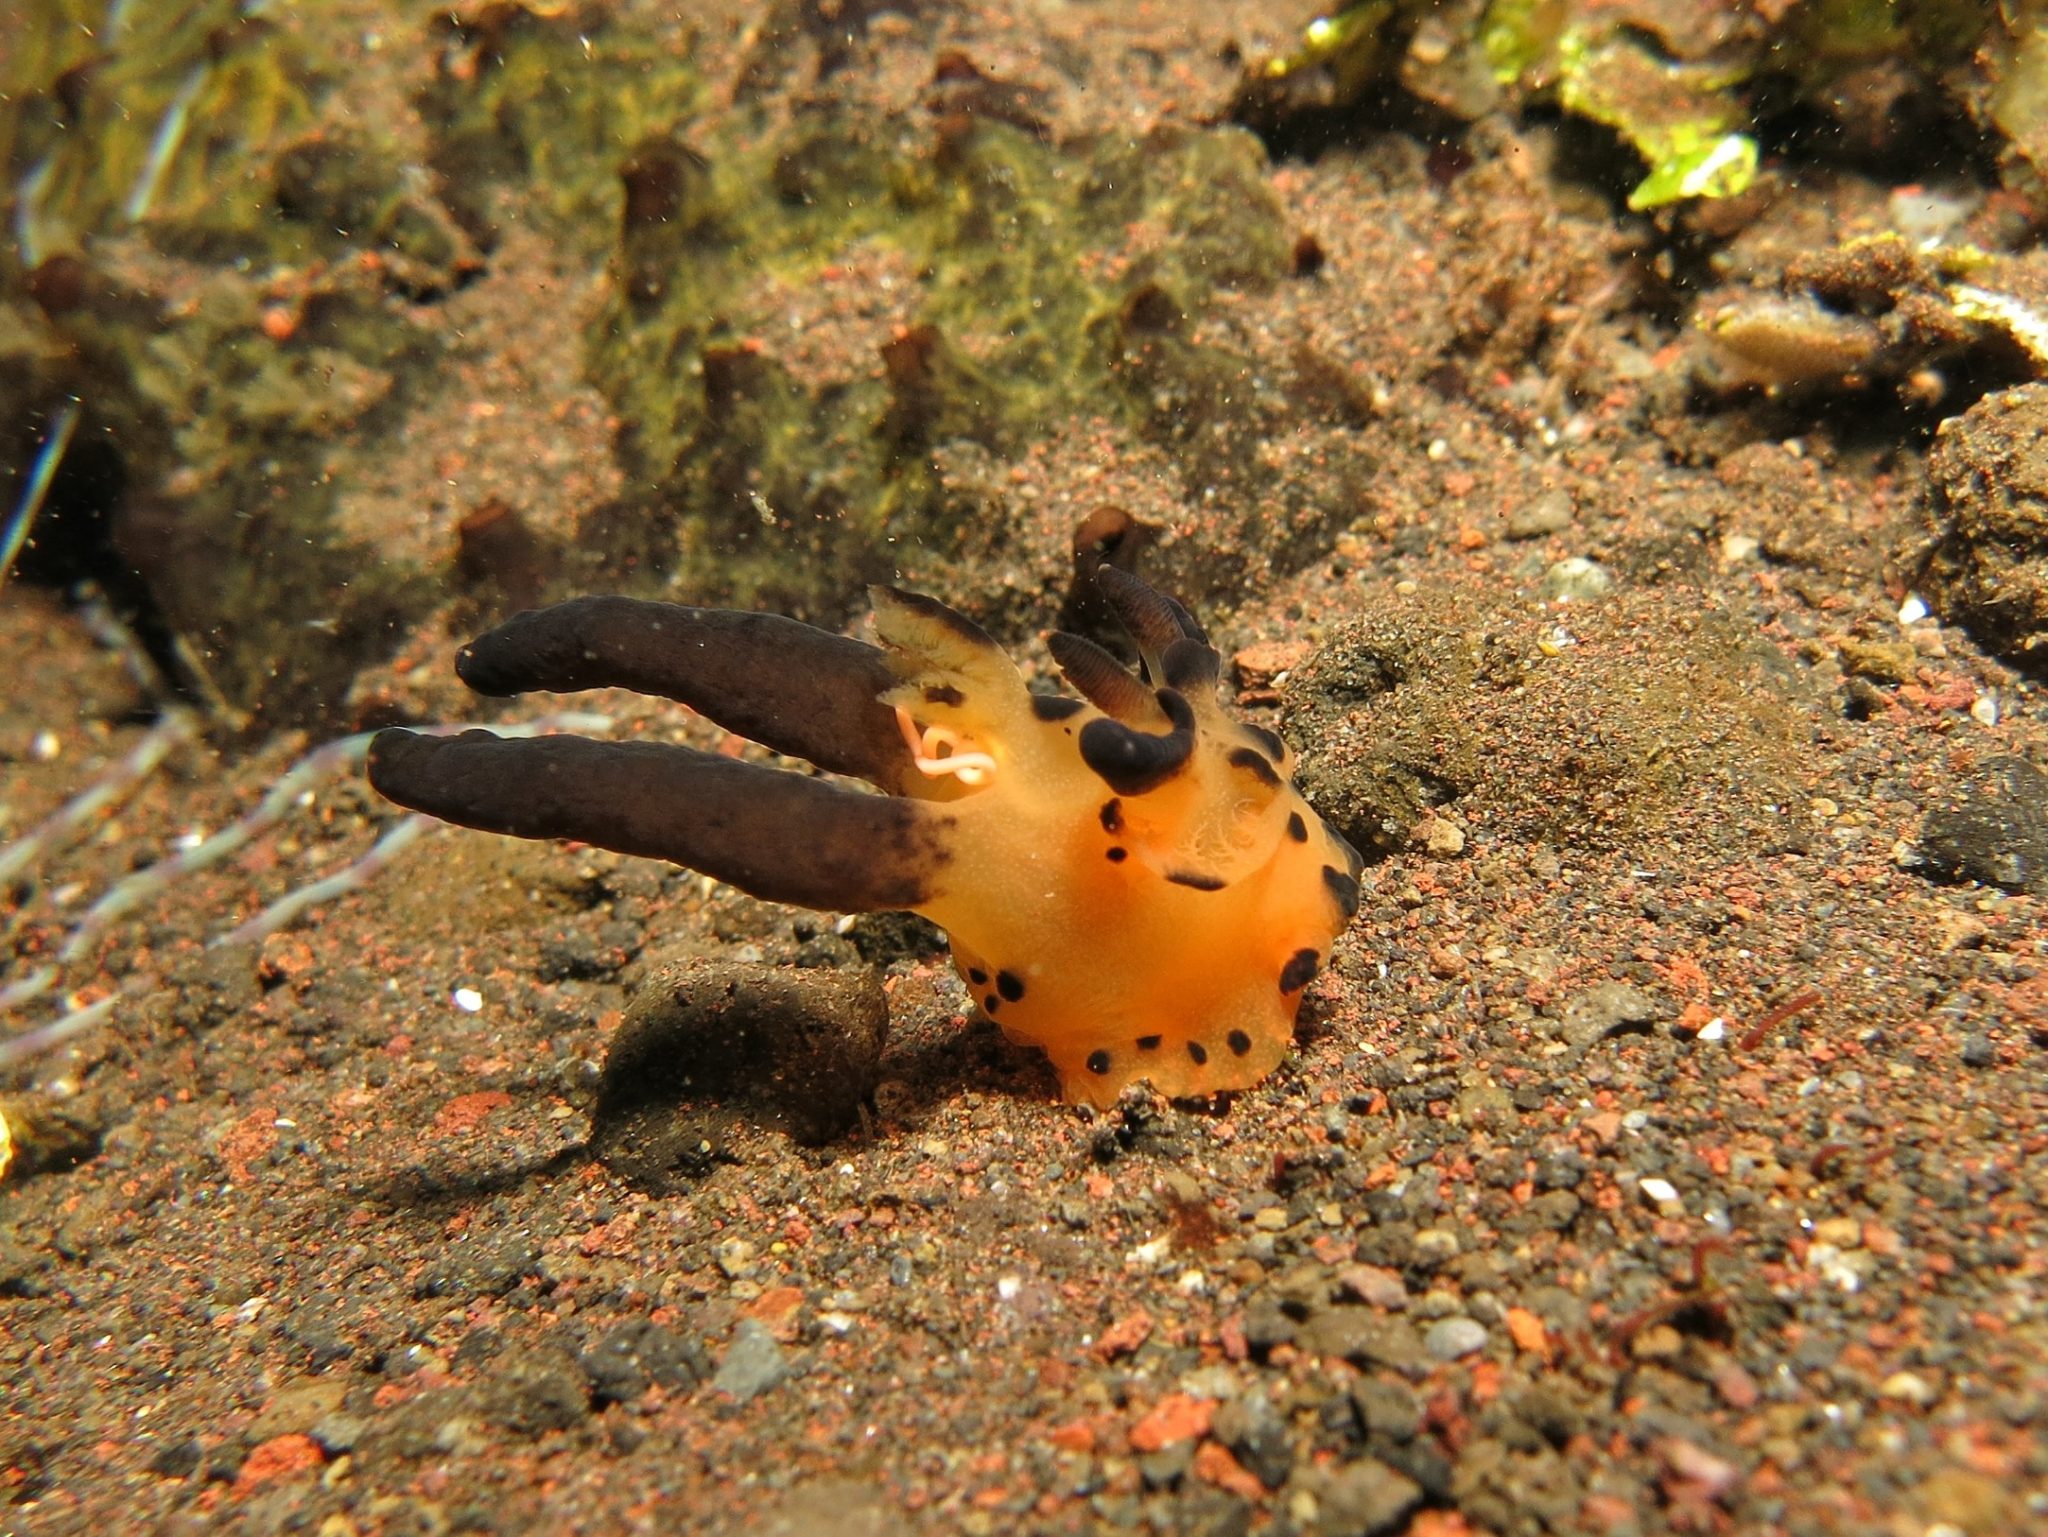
pixel 1198 1052
pixel 1296 828
pixel 1098 1062
pixel 1010 985
pixel 1239 1042
pixel 1299 971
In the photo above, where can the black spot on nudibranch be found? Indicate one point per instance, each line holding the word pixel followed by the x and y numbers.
pixel 1098 1062
pixel 1198 1053
pixel 1112 816
pixel 943 693
pixel 1239 1042
pixel 1054 707
pixel 1343 888
pixel 1296 828
pixel 977 976
pixel 1131 761
pixel 1010 985
pixel 1299 971
pixel 1253 762
pixel 1149 1042
pixel 989 1003
pixel 1118 855
pixel 1270 740
pixel 1194 880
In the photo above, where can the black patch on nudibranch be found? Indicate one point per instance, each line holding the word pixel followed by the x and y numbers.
pixel 943 693
pixel 1270 740
pixel 1149 1042
pixel 1198 1053
pixel 1010 985
pixel 951 620
pixel 1194 880
pixel 1112 816
pixel 1055 707
pixel 1098 1062
pixel 1131 761
pixel 1190 666
pixel 1343 888
pixel 1253 762
pixel 977 976
pixel 1296 828
pixel 1239 1042
pixel 1118 854
pixel 989 1002
pixel 1299 971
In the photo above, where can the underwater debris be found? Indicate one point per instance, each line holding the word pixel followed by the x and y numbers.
pixel 291 790
pixel 1878 309
pixel 56 439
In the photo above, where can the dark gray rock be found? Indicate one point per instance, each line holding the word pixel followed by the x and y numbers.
pixel 705 1042
pixel 1365 1499
pixel 753 1364
pixel 532 1393
pixel 628 1360
pixel 1257 1437
pixel 1997 833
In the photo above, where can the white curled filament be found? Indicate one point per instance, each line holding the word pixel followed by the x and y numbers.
pixel 936 750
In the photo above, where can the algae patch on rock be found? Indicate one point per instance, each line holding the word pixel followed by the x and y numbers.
pixel 1987 563
pixel 1582 728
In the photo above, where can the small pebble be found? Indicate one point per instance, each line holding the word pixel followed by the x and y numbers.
pixel 1575 579
pixel 1450 1338
pixel 1978 1051
pixel 1550 513
pixel 753 1365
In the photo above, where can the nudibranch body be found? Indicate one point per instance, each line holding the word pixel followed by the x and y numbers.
pixel 1134 887
pixel 1129 880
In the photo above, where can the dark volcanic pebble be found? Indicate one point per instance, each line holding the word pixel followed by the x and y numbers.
pixel 1997 833
pixel 802 1043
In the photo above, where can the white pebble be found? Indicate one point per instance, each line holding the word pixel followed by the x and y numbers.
pixel 467 999
pixel 1913 610
pixel 1984 709
pixel 1661 1191
pixel 1714 1029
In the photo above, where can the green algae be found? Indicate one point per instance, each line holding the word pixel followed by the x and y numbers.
pixel 188 210
pixel 1679 117
pixel 1676 83
pixel 1035 283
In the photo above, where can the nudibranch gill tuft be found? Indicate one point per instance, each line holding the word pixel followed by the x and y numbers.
pixel 1129 879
